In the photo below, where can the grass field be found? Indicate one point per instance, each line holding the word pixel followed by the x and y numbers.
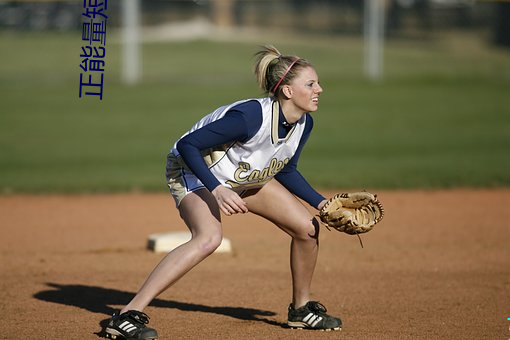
pixel 439 118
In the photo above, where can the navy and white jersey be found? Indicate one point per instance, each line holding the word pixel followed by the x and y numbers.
pixel 244 145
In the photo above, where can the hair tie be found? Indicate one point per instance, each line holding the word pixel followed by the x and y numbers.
pixel 283 77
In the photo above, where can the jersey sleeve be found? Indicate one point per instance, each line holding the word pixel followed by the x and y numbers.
pixel 239 124
pixel 292 179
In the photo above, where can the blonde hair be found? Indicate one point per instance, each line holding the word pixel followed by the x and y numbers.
pixel 273 69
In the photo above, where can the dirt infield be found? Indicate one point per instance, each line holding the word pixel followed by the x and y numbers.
pixel 437 267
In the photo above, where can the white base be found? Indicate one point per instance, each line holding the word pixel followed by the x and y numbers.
pixel 166 242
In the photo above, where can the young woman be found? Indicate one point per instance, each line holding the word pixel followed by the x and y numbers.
pixel 243 158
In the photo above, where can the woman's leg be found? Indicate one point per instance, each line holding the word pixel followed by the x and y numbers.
pixel 278 205
pixel 200 212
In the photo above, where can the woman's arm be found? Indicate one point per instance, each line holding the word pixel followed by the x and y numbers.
pixel 292 179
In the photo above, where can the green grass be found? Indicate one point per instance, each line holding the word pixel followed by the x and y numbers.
pixel 440 118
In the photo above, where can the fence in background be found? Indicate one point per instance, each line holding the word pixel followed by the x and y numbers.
pixel 414 18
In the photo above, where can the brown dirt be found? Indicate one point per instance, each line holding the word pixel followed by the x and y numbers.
pixel 436 267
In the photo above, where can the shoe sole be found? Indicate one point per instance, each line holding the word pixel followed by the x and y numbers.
pixel 302 325
pixel 114 334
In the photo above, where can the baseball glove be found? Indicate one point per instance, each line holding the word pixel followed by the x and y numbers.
pixel 352 213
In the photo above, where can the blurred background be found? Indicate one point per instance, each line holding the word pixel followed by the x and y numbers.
pixel 415 91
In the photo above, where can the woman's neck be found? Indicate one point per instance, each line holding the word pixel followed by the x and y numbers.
pixel 292 113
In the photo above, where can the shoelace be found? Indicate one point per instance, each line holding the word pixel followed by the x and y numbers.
pixel 140 317
pixel 316 306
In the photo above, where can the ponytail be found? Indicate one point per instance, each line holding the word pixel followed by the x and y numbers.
pixel 272 69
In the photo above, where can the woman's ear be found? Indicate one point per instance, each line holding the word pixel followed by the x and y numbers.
pixel 287 91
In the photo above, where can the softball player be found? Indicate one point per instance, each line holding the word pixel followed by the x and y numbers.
pixel 243 158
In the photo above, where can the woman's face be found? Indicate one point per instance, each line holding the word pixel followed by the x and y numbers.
pixel 305 90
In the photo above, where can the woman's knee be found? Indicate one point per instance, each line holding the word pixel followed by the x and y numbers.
pixel 309 231
pixel 208 242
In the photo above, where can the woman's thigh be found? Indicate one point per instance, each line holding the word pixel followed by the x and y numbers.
pixel 201 213
pixel 275 203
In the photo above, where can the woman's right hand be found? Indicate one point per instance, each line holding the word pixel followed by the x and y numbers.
pixel 229 201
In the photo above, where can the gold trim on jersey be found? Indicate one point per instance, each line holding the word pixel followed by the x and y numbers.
pixel 275 115
pixel 213 155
